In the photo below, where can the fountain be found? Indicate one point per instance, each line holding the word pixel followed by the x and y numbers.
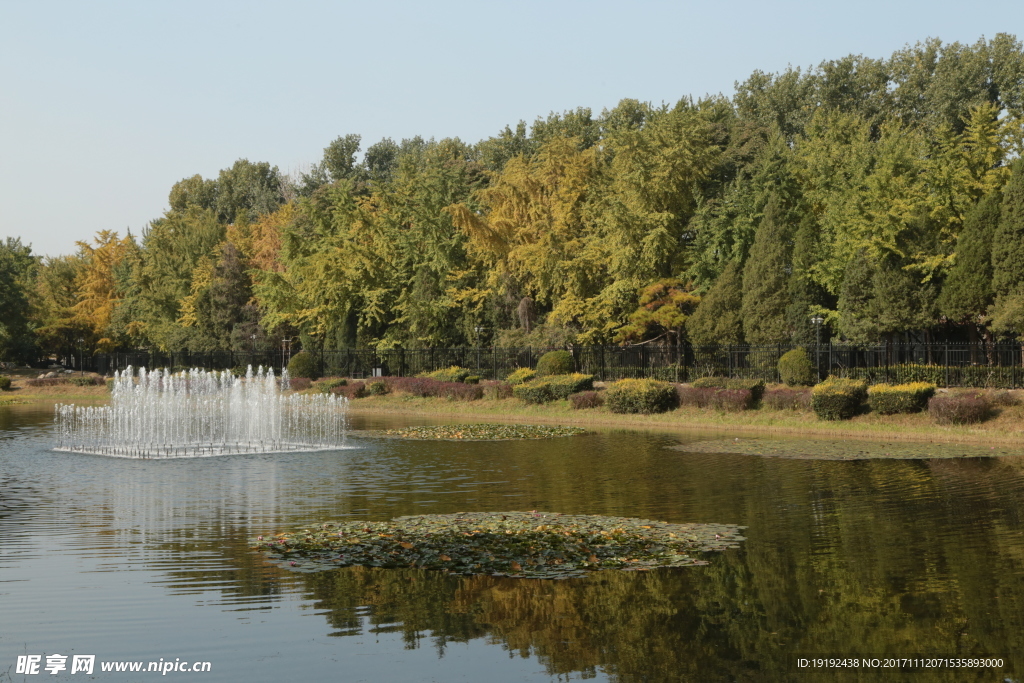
pixel 161 414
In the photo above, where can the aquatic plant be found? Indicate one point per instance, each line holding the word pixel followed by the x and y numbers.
pixel 520 544
pixel 482 432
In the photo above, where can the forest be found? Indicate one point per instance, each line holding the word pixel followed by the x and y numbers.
pixel 884 195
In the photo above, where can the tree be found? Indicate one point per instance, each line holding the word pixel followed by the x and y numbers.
pixel 718 318
pixel 967 292
pixel 765 280
pixel 806 297
pixel 17 270
pixel 664 308
pixel 1008 257
pixel 251 187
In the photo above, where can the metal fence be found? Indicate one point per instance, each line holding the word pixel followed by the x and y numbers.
pixel 968 365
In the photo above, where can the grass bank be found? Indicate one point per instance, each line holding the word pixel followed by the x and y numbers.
pixel 1005 427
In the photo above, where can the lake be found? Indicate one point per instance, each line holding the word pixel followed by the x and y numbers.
pixel 140 560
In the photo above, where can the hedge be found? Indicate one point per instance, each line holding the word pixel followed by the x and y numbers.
pixel 838 398
pixel 563 386
pixel 303 364
pixel 586 399
pixel 885 399
pixel 754 386
pixel 326 385
pixel 787 399
pixel 449 374
pixel 796 369
pixel 520 376
pixel 555 363
pixel 641 396
pixel 959 408
pixel 533 392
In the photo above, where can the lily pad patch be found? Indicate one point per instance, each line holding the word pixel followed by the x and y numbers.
pixel 520 544
pixel 480 432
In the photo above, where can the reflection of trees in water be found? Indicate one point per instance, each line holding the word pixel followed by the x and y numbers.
pixel 873 558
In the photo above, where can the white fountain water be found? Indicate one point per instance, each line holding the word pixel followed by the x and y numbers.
pixel 160 414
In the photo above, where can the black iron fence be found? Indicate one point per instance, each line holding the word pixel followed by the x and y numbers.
pixel 967 365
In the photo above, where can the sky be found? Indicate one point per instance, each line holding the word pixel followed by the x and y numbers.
pixel 105 105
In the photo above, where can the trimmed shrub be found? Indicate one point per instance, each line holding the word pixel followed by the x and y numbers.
pixel 458 391
pixel 641 396
pixel 533 392
pixel 902 398
pixel 586 399
pixel 47 382
pixel 837 398
pixel 787 399
pixel 5 383
pixel 303 364
pixel 449 374
pixel 86 381
pixel 959 408
pixel 472 379
pixel 754 386
pixel 378 388
pixel 520 376
pixel 299 384
pixel 350 391
pixel 716 397
pixel 495 391
pixel 555 363
pixel 1004 398
pixel 325 386
pixel 563 386
pixel 796 369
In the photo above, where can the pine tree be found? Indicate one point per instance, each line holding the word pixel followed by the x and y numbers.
pixel 717 319
pixel 1008 258
pixel 967 293
pixel 855 321
pixel 765 291
pixel 804 292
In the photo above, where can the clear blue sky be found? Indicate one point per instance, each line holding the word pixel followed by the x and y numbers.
pixel 105 105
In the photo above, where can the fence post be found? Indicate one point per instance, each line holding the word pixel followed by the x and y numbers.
pixel 945 364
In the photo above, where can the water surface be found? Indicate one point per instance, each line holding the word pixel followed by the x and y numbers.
pixel 138 560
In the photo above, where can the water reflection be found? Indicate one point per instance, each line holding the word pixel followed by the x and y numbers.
pixel 853 558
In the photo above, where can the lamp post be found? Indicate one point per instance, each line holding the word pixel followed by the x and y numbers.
pixel 81 356
pixel 817 320
pixel 252 348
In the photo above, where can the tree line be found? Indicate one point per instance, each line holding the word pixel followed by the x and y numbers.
pixel 884 195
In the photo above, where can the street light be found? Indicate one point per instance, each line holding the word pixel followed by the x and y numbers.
pixel 817 320
pixel 81 356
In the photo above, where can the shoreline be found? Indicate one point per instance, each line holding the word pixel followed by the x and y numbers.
pixel 1005 428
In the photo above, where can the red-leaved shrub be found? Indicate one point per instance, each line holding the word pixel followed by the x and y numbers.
pixel 959 408
pixel 350 391
pixel 496 391
pixel 586 399
pixel 299 383
pixel 787 399
pixel 713 397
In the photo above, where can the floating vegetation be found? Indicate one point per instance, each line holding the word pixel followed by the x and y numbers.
pixel 540 545
pixel 851 449
pixel 13 402
pixel 480 432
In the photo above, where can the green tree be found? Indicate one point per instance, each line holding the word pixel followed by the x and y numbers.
pixel 765 280
pixel 17 271
pixel 718 318
pixel 967 292
pixel 1008 258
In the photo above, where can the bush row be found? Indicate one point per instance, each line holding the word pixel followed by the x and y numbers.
pixel 886 399
pixel 718 398
pixel 642 396
pixel 552 387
